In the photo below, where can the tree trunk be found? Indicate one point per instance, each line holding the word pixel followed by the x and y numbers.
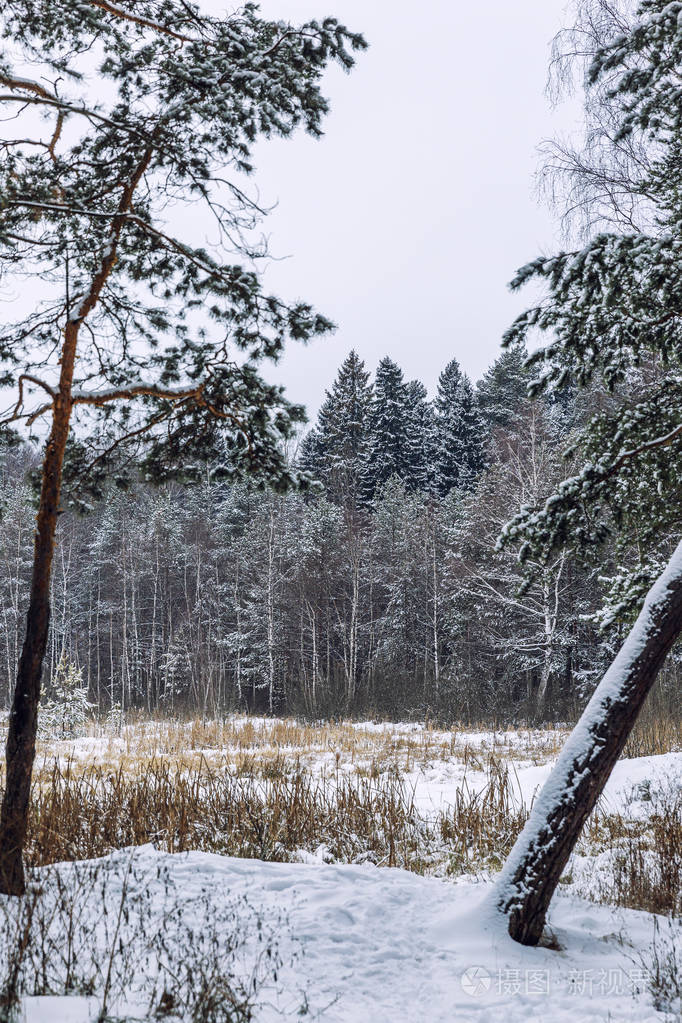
pixel 21 736
pixel 545 675
pixel 531 873
pixel 436 663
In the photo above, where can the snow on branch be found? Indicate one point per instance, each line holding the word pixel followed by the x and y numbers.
pixel 120 12
pixel 27 85
pixel 576 762
pixel 136 391
pixel 657 442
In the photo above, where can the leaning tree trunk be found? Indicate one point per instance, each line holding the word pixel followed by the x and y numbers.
pixel 531 873
pixel 21 736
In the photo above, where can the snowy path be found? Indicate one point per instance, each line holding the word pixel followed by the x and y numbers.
pixel 392 946
pixel 386 946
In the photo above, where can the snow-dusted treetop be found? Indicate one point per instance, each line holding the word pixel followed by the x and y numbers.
pixel 114 115
pixel 612 311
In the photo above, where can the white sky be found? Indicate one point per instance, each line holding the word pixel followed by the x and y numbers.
pixel 405 223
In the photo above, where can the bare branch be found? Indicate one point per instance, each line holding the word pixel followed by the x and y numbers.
pixel 119 12
pixel 55 135
pixel 71 108
pixel 137 391
pixel 39 383
pixel 28 85
pixel 16 412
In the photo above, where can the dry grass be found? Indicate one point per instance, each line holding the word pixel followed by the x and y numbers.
pixel 280 789
pixel 262 746
pixel 278 812
pixel 481 827
pixel 654 735
pixel 643 854
pixel 275 788
pixel 662 968
pixel 82 813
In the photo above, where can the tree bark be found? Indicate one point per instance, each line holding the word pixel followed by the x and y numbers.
pixel 536 862
pixel 23 721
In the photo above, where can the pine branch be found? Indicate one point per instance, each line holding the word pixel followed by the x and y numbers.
pixel 119 12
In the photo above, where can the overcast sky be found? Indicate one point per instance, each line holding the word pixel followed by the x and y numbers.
pixel 406 221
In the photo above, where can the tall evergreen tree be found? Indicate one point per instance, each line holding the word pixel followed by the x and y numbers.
pixel 310 457
pixel 460 439
pixel 389 442
pixel 336 451
pixel 502 392
pixel 421 437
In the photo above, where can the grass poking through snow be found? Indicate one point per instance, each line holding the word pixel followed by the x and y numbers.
pixel 342 792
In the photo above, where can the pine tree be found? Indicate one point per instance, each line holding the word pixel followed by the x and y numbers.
pixel 421 437
pixel 460 441
pixel 502 392
pixel 142 354
pixel 309 457
pixel 65 709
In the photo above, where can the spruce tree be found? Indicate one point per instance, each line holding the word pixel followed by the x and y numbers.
pixel 309 457
pixel 421 437
pixel 142 351
pixel 336 451
pixel 389 451
pixel 460 439
pixel 502 392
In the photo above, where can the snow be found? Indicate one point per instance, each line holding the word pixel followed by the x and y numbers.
pixel 575 760
pixel 361 942
pixel 436 786
pixel 393 947
pixel 436 780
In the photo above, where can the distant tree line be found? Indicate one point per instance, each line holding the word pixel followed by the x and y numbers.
pixel 380 590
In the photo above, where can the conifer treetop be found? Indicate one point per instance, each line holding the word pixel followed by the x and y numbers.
pixel 460 442
pixel 115 115
pixel 389 448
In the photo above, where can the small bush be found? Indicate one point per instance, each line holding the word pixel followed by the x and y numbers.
pixel 65 709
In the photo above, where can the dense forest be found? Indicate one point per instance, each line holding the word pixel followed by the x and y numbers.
pixel 382 588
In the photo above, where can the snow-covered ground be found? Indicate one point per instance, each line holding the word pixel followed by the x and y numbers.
pixel 388 946
pixel 365 943
pixel 436 785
